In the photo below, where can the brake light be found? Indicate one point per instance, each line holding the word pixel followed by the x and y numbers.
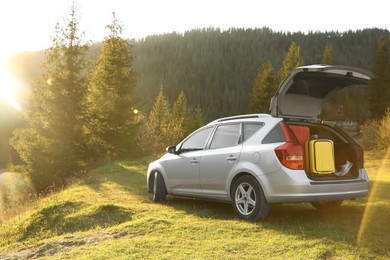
pixel 290 154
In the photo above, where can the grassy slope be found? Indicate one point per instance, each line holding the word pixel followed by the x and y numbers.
pixel 110 215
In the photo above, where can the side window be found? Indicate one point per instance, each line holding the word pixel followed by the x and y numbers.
pixel 197 141
pixel 226 136
pixel 251 129
pixel 275 136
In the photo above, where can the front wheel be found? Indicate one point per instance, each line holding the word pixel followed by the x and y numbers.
pixel 159 190
pixel 249 202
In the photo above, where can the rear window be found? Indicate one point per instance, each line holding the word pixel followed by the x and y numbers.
pixel 251 129
pixel 275 136
pixel 226 136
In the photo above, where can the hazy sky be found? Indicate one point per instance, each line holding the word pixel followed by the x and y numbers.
pixel 29 24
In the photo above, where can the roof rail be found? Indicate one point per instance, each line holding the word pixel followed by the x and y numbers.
pixel 248 116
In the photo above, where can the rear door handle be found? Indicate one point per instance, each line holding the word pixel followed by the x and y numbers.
pixel 231 158
pixel 194 161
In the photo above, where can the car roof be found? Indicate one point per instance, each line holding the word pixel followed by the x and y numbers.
pixel 240 118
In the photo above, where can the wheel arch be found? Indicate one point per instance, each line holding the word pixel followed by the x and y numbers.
pixel 243 173
pixel 150 180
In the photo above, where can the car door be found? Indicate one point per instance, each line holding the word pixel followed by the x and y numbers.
pixel 183 168
pixel 220 160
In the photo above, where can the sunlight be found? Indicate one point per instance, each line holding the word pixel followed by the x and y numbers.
pixel 368 215
pixel 10 87
pixel 8 90
pixel 15 193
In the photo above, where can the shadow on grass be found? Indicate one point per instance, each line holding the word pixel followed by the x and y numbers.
pixel 70 216
pixel 340 225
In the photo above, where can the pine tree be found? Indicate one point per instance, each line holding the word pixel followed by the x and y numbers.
pixel 380 87
pixel 198 119
pixel 164 127
pixel 110 102
pixel 263 89
pixel 154 134
pixel 328 57
pixel 292 60
pixel 180 118
pixel 53 144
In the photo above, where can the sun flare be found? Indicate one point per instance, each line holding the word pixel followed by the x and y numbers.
pixel 8 90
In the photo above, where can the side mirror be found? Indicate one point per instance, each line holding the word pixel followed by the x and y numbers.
pixel 171 149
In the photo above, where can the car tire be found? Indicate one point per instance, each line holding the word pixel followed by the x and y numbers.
pixel 248 200
pixel 327 205
pixel 159 190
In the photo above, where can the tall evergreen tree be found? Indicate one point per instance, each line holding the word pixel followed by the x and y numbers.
pixel 198 119
pixel 380 87
pixel 263 89
pixel 180 117
pixel 292 60
pixel 328 56
pixel 110 101
pixel 155 133
pixel 53 145
pixel 165 127
pixel 160 116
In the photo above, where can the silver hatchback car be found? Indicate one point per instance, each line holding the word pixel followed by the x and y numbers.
pixel 256 160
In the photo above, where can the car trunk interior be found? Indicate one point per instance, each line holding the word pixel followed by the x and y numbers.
pixel 344 149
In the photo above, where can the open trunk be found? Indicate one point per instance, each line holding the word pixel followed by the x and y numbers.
pixel 302 95
pixel 345 149
pixel 299 101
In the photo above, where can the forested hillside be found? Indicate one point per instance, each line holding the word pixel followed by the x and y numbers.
pixel 216 69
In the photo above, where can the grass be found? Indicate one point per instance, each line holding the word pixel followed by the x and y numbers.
pixel 109 215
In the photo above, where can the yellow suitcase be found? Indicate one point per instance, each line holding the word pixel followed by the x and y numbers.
pixel 320 156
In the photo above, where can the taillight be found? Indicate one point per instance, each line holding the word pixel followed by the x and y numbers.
pixel 290 154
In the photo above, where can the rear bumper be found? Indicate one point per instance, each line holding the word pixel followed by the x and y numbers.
pixel 298 188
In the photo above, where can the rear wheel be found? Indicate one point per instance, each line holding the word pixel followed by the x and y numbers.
pixel 327 205
pixel 159 190
pixel 249 202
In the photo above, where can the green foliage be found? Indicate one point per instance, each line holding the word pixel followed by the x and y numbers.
pixel 292 60
pixel 375 134
pixel 267 81
pixel 15 192
pixel 380 88
pixel 9 120
pixel 210 63
pixel 110 102
pixel 328 57
pixel 52 145
pixel 369 134
pixel 165 126
pixel 263 89
pixel 198 119
pixel 384 131
pixel 156 130
pixel 43 158
pixel 181 118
